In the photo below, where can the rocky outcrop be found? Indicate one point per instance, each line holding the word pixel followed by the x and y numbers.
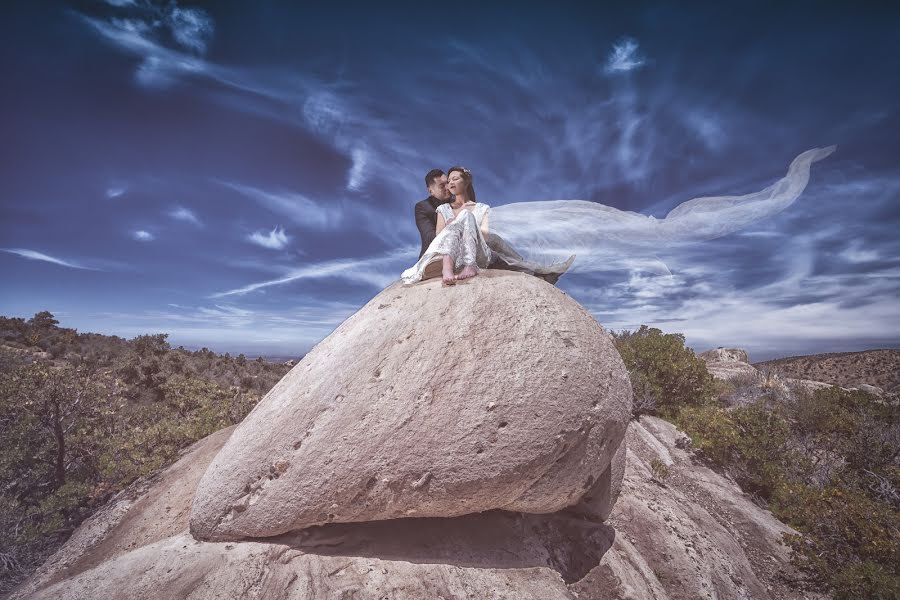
pixel 492 417
pixel 678 531
pixel 141 548
pixel 732 365
pixel 500 393
pixel 728 363
pixel 683 531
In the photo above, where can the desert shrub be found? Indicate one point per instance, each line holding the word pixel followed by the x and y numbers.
pixel 862 428
pixel 659 470
pixel 722 389
pixel 751 443
pixel 744 380
pixel 155 434
pixel 850 521
pixel 663 369
pixel 151 345
pixel 850 541
pixel 73 437
pixel 53 423
pixel 866 580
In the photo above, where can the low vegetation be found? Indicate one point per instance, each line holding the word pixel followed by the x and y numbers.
pixel 825 462
pixel 82 416
pixel 874 367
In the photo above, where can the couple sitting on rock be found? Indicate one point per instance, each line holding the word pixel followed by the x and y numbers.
pixel 455 234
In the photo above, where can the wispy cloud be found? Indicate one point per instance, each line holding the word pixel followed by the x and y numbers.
pixel 35 255
pixel 274 240
pixel 357 174
pixel 114 191
pixel 855 253
pixel 378 271
pixel 160 66
pixel 624 57
pixel 191 27
pixel 323 108
pixel 180 213
pixel 297 207
pixel 143 236
pixel 708 128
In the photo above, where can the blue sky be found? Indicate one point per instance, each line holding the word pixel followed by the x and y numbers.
pixel 242 175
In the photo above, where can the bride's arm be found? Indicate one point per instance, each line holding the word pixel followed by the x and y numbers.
pixel 440 224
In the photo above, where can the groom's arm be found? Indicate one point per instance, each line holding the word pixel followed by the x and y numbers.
pixel 426 229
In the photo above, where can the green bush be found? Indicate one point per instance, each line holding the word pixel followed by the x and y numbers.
pixel 663 369
pixel 752 442
pixel 866 580
pixel 75 435
pixel 850 524
pixel 843 530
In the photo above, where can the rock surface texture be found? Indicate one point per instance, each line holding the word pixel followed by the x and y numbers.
pixel 498 393
pixel 684 533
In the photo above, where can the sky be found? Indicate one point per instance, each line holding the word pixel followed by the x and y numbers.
pixel 242 175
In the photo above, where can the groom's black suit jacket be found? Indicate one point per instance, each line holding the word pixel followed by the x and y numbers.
pixel 426 220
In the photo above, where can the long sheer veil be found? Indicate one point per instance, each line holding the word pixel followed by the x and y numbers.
pixel 598 234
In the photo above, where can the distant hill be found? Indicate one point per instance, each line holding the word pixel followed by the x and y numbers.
pixel 875 367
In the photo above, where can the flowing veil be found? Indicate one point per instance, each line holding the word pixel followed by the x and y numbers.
pixel 601 235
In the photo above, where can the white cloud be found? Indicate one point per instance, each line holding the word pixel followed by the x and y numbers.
pixel 274 240
pixel 191 27
pixel 707 127
pixel 143 236
pixel 855 253
pixel 378 271
pixel 181 213
pixel 160 66
pixel 297 207
pixel 35 255
pixel 358 170
pixel 624 57
pixel 114 191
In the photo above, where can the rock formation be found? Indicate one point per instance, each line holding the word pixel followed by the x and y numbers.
pixel 495 412
pixel 731 364
pixel 726 363
pixel 500 393
pixel 678 531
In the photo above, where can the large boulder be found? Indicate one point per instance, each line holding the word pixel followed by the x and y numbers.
pixel 499 393
pixel 679 531
pixel 139 547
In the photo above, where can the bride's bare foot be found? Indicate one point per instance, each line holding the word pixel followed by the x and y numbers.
pixel 448 278
pixel 468 271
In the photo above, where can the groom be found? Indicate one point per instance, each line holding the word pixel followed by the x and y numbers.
pixel 426 210
pixel 426 222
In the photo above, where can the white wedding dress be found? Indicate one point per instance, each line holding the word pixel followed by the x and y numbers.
pixel 460 238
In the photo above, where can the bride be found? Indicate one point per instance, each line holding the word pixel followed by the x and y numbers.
pixel 464 244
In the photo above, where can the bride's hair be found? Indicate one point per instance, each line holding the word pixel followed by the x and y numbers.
pixel 467 175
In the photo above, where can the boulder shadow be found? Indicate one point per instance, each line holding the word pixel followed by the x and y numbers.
pixel 562 541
